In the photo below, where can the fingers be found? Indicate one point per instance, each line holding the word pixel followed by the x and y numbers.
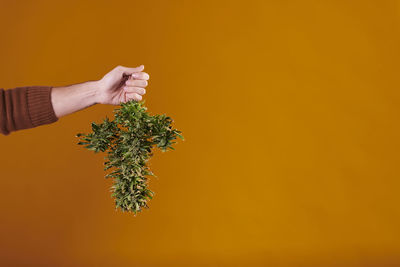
pixel 134 85
pixel 137 83
pixel 137 90
pixel 130 71
pixel 134 96
pixel 141 75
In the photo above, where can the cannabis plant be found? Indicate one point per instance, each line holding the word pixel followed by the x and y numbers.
pixel 128 141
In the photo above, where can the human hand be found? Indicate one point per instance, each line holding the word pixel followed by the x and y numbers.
pixel 121 85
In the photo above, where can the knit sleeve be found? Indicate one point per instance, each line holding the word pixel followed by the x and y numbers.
pixel 25 107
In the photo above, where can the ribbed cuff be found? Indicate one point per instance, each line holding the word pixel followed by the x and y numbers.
pixel 40 108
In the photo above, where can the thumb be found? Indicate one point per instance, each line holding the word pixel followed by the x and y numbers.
pixel 129 71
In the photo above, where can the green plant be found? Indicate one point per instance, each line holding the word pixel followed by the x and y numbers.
pixel 128 141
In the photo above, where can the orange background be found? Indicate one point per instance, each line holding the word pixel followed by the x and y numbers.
pixel 290 110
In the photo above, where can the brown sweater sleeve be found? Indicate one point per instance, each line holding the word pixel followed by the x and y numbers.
pixel 25 107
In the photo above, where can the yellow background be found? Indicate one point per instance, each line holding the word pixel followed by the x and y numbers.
pixel 290 110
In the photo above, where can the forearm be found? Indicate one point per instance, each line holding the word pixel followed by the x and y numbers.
pixel 72 98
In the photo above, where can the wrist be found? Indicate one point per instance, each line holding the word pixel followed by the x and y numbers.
pixel 92 92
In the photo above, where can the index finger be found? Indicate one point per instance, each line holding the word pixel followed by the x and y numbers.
pixel 141 76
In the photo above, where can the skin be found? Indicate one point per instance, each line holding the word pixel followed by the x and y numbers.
pixel 120 85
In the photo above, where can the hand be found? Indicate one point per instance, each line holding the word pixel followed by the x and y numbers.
pixel 121 85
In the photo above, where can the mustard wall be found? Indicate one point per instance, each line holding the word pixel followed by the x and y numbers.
pixel 290 110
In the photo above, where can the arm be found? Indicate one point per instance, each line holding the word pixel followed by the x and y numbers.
pixel 28 107
pixel 118 86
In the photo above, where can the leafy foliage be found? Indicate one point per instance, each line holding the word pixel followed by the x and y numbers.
pixel 128 141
